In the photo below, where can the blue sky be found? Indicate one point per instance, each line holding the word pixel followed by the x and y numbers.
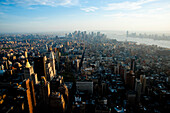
pixel 70 15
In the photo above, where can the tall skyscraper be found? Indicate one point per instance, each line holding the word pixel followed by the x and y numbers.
pixel 130 80
pixel 138 88
pixel 28 93
pixel 44 91
pixel 52 61
pixel 57 57
pixel 133 65
pixel 28 71
pixel 33 93
pixel 39 67
pixel 57 103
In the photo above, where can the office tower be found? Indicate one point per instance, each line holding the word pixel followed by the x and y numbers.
pixel 6 64
pixel 85 86
pixel 130 80
pixel 49 71
pixel 28 93
pixel 46 47
pixel 39 67
pixel 33 93
pixel 77 62
pixel 26 55
pixel 2 67
pixel 28 71
pixel 34 78
pixel 54 84
pixel 143 81
pixel 138 88
pixel 168 79
pixel 131 97
pixel 137 82
pixel 57 54
pixel 103 85
pixel 133 65
pixel 52 61
pixel 44 91
pixel 64 91
pixel 57 103
pixel 118 68
pixel 115 69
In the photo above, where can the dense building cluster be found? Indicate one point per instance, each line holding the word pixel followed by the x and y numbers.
pixel 82 73
pixel 151 36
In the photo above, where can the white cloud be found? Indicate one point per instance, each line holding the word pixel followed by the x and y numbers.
pixel 125 15
pixel 42 2
pixel 1 13
pixel 31 8
pixel 147 15
pixel 155 10
pixel 89 9
pixel 127 5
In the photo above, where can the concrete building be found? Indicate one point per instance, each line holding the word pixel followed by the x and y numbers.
pixel 85 86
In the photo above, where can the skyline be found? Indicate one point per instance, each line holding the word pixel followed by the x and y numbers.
pixel 70 15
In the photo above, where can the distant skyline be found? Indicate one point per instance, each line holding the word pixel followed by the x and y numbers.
pixel 70 15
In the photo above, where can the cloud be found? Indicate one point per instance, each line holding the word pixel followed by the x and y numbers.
pixel 155 10
pixel 127 5
pixel 52 3
pixel 144 16
pixel 1 13
pixel 129 15
pixel 31 8
pixel 89 9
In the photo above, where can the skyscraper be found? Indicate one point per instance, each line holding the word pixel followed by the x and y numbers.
pixel 28 93
pixel 57 57
pixel 44 91
pixel 28 71
pixel 52 61
pixel 133 65
pixel 39 67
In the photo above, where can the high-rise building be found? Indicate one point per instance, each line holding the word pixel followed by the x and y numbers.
pixel 130 80
pixel 127 34
pixel 44 91
pixel 39 67
pixel 49 71
pixel 26 55
pixel 85 86
pixel 133 65
pixel 32 90
pixel 57 103
pixel 52 61
pixel 131 97
pixel 28 93
pixel 143 81
pixel 28 71
pixel 138 88
pixel 57 54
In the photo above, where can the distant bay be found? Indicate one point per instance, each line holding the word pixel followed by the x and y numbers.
pixel 147 41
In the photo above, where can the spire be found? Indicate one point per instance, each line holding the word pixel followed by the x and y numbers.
pixel 27 64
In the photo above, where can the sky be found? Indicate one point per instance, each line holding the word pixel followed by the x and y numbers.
pixel 70 15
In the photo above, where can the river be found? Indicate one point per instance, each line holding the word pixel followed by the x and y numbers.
pixel 147 41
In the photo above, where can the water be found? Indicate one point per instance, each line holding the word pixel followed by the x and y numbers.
pixel 147 41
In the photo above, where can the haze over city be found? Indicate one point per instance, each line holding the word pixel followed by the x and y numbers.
pixel 84 56
pixel 69 15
